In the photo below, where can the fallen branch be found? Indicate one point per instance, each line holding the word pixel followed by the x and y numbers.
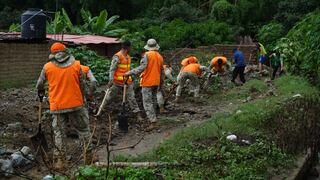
pixel 137 164
pixel 129 147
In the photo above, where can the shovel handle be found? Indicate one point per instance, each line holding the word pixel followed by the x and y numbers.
pixel 40 112
pixel 103 102
pixel 125 89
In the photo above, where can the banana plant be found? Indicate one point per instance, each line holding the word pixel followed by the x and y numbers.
pixel 99 25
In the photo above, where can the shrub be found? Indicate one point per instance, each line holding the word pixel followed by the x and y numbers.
pixel 301 47
pixel 270 33
pixel 224 11
pixel 98 65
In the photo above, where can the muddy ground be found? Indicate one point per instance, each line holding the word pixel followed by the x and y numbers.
pixel 18 121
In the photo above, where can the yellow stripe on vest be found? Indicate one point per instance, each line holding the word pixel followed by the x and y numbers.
pixel 121 78
pixel 123 66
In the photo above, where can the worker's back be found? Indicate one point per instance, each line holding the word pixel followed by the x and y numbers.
pixel 64 86
pixel 192 68
pixel 151 76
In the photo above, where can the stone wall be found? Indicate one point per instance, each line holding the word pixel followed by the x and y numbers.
pixel 177 55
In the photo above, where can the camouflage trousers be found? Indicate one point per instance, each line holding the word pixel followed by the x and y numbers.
pixel 194 83
pixel 150 97
pixel 130 96
pixel 80 120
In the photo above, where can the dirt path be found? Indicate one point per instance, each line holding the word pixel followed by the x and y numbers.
pixel 180 116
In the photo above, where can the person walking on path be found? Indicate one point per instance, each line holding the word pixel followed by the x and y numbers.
pixel 151 79
pixel 240 66
pixel 66 98
pixel 276 61
pixel 262 56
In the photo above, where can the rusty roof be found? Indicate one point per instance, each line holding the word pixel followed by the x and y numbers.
pixel 72 38
pixel 83 39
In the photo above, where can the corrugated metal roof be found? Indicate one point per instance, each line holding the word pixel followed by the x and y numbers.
pixel 77 39
pixel 84 39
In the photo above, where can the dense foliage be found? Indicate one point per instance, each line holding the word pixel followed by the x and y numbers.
pixel 301 47
pixel 269 34
pixel 98 65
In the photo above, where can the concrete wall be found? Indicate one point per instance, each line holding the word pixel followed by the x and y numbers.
pixel 177 55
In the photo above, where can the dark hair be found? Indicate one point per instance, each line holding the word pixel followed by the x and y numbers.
pixel 125 44
pixel 220 61
pixel 234 49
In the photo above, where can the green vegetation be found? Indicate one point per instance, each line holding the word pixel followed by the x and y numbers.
pixel 204 151
pixel 98 65
pixel 301 48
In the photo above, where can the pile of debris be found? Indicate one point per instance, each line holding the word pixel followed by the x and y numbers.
pixel 9 160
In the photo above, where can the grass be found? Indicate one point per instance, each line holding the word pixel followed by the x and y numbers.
pixel 224 159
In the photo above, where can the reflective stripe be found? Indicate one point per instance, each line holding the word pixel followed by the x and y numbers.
pixel 121 78
pixel 123 66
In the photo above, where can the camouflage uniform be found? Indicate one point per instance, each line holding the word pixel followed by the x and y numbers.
pixel 80 120
pixel 150 95
pixel 78 116
pixel 115 88
pixel 183 77
pixel 168 75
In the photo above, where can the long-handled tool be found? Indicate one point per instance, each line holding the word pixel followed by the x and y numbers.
pixel 103 102
pixel 122 116
pixel 39 140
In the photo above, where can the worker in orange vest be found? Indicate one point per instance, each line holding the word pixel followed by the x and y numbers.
pixel 66 98
pixel 188 60
pixel 218 64
pixel 121 63
pixel 151 79
pixel 190 72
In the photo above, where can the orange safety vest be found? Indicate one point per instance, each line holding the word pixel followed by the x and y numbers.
pixel 64 86
pixel 85 70
pixel 122 68
pixel 151 75
pixel 215 65
pixel 189 60
pixel 192 68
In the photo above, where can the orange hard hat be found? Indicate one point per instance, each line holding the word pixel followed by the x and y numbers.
pixel 55 47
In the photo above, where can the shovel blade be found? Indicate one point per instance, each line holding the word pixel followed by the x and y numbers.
pixel 123 121
pixel 39 141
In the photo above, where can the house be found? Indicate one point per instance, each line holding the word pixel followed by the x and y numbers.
pixel 21 60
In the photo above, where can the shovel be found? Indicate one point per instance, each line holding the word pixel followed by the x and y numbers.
pixel 39 140
pixel 122 116
pixel 103 102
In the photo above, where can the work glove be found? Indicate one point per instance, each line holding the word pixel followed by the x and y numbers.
pixel 41 94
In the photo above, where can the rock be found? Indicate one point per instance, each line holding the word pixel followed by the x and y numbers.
pixel 25 150
pixel 19 160
pixel 14 127
pixel 249 99
pixel 297 95
pixel 2 151
pixel 48 177
pixel 238 112
pixel 230 104
pixel 6 167
pixel 246 141
pixel 231 137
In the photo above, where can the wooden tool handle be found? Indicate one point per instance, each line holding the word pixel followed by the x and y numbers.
pixel 103 102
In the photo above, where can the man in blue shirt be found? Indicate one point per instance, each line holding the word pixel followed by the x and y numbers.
pixel 240 66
